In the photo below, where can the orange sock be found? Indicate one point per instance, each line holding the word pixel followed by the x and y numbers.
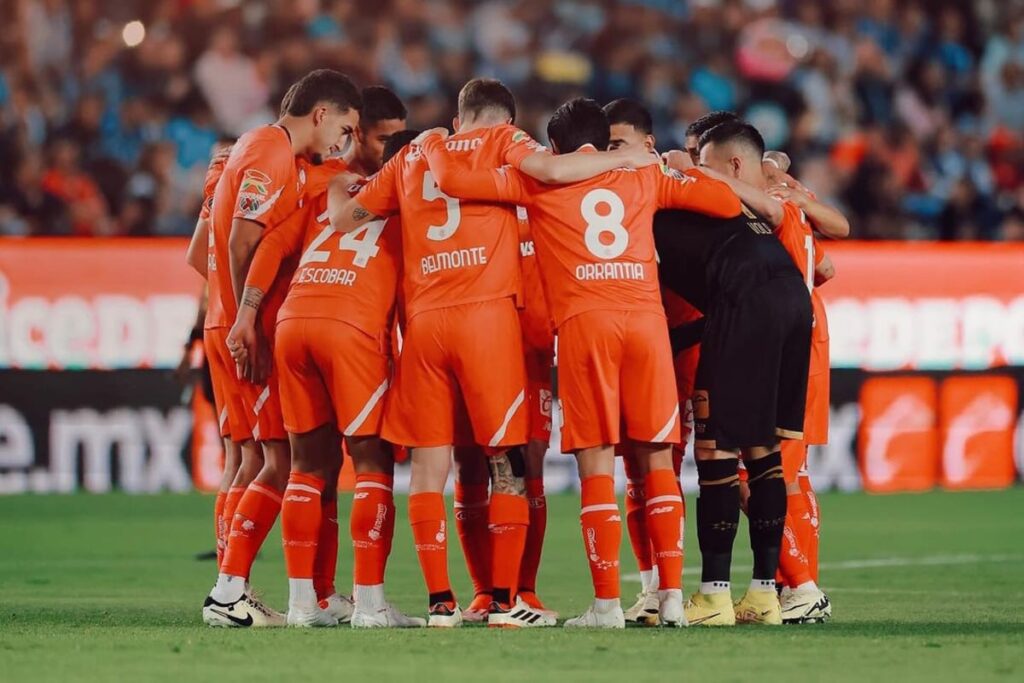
pixel 664 511
pixel 534 534
pixel 218 524
pixel 227 515
pixel 430 534
pixel 793 565
pixel 602 534
pixel 301 515
pixel 325 564
pixel 250 525
pixel 636 524
pixel 471 519
pixel 372 508
pixel 812 529
pixel 509 517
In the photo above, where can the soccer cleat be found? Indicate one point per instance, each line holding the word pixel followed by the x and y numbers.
pixel 246 612
pixel 477 610
pixel 520 615
pixel 759 607
pixel 670 608
pixel 592 618
pixel 338 606
pixel 387 616
pixel 317 617
pixel 645 610
pixel 807 606
pixel 709 609
pixel 443 616
pixel 531 599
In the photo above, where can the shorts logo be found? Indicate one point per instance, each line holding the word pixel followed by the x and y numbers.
pixel 545 402
pixel 701 406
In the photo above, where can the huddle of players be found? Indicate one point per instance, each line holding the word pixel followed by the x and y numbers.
pixel 450 238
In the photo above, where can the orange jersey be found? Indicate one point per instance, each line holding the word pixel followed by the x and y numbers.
pixel 260 183
pixel 797 237
pixel 594 240
pixel 350 277
pixel 538 330
pixel 455 252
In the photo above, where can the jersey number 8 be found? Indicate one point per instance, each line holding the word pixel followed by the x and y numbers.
pixel 609 223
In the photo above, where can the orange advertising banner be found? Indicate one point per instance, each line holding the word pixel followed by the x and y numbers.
pixel 912 305
pixel 95 303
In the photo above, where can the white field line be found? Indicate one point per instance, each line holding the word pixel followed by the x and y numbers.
pixel 887 562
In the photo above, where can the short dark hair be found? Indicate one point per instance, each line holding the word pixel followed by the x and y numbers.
pixel 734 131
pixel 380 104
pixel 321 85
pixel 481 94
pixel 579 122
pixel 397 141
pixel 631 113
pixel 709 121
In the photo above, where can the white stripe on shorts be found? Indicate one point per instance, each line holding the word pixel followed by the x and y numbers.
pixel 663 434
pixel 500 434
pixel 359 419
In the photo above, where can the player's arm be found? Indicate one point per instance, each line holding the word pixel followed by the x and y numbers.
pixel 244 236
pixel 379 198
pixel 561 169
pixel 826 219
pixel 277 245
pixel 695 191
pixel 456 180
pixel 197 255
pixel 824 268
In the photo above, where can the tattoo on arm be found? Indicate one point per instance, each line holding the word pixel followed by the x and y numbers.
pixel 252 297
pixel 359 213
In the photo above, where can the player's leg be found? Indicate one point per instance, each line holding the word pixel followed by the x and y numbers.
pixel 419 412
pixel 472 503
pixel 801 599
pixel 325 564
pixel 650 406
pixel 222 523
pixel 493 383
pixel 814 512
pixel 590 352
pixel 645 609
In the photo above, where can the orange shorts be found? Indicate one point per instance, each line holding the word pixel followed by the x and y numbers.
pixel 465 359
pixel 539 394
pixel 330 371
pixel 234 417
pixel 615 368
pixel 264 403
pixel 818 387
pixel 794 455
pixel 685 364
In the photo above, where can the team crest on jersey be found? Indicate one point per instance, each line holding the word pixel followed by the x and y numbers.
pixel 519 136
pixel 676 175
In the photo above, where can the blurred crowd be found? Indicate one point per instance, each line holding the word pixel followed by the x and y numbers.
pixel 908 114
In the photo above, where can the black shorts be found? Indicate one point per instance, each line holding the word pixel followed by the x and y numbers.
pixel 751 384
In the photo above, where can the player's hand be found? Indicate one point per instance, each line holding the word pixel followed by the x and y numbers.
pixel 678 160
pixel 422 137
pixel 785 193
pixel 242 345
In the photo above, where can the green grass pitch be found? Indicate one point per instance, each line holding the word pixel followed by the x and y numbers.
pixel 925 587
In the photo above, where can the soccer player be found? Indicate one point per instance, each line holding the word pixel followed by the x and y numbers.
pixel 260 187
pixel 461 276
pixel 382 115
pixel 751 378
pixel 334 362
pixel 631 127
pixel 196 256
pixel 596 254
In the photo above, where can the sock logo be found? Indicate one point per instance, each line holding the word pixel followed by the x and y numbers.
pixel 248 525
pixel 662 510
pixel 378 523
pixel 440 533
pixel 297 499
pixel 593 556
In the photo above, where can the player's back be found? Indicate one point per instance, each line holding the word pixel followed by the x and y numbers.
pixel 797 238
pixel 456 252
pixel 351 277
pixel 259 183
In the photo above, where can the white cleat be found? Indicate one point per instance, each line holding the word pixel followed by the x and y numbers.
pixel 338 606
pixel 805 606
pixel 310 618
pixel 645 610
pixel 443 616
pixel 670 609
pixel 592 618
pixel 520 615
pixel 387 616
pixel 247 611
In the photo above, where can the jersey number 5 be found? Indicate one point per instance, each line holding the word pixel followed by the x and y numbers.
pixel 432 192
pixel 599 225
pixel 362 241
